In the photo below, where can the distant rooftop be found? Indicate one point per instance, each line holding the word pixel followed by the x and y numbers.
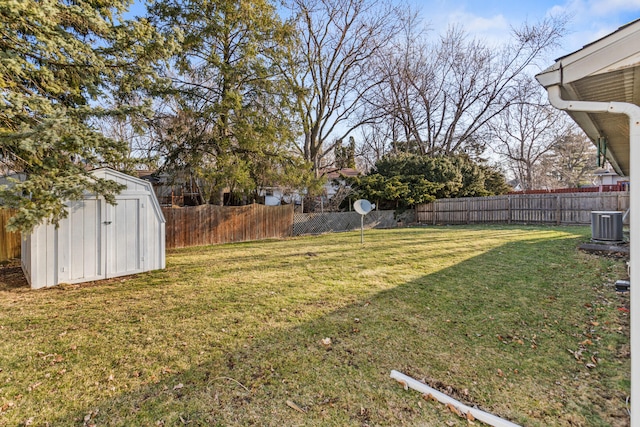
pixel 335 173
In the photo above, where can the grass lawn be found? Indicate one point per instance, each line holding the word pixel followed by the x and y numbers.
pixel 514 320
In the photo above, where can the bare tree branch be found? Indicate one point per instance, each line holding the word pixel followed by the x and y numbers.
pixel 338 39
pixel 444 94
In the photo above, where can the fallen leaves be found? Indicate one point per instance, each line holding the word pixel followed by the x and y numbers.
pixel 53 358
pixel 578 353
pixel 403 384
pixel 591 362
pixel 5 407
pixel 429 397
pixel 453 409
pixel 91 415
pixel 363 411
pixel 34 386
pixel 509 339
pixel 292 405
pixel 326 342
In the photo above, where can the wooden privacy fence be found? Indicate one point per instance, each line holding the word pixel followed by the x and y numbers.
pixel 9 242
pixel 563 208
pixel 208 224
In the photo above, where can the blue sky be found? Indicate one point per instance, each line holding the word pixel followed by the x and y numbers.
pixel 492 19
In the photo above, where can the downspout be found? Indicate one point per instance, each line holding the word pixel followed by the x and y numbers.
pixel 633 112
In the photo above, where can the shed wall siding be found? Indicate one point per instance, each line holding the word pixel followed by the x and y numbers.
pixel 98 240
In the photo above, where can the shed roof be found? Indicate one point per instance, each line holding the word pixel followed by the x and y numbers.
pixel 133 184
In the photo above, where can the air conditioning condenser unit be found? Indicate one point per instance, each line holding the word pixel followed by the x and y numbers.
pixel 606 226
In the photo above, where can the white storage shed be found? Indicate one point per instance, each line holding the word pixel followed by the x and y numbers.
pixel 99 240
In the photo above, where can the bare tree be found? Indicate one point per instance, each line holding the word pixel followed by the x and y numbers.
pixel 442 95
pixel 330 67
pixel 133 131
pixel 527 130
pixel 373 145
pixel 571 163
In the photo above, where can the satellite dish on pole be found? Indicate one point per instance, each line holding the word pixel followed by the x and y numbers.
pixel 363 207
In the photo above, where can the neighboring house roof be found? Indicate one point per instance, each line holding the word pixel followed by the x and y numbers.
pixel 149 175
pixel 607 70
pixel 515 184
pixel 605 172
pixel 335 173
pixel 144 172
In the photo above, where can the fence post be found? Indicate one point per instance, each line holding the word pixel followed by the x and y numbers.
pixel 618 202
pixel 509 209
pixel 466 203
pixel 558 210
pixel 433 211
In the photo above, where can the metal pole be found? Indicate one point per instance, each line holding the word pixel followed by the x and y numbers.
pixel 362 229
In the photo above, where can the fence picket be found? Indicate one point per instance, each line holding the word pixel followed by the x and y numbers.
pixel 208 224
pixel 545 208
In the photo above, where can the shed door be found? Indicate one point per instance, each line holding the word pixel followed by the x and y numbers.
pixel 123 237
pixel 79 244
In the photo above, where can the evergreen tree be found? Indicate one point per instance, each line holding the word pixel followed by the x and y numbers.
pixel 405 180
pixel 231 123
pixel 59 59
pixel 345 155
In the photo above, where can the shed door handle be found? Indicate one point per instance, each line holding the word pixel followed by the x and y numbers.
pixel 107 222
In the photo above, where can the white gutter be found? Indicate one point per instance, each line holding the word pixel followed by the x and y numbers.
pixel 633 112
pixel 485 417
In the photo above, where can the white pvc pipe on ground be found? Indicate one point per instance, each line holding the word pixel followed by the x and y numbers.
pixel 479 415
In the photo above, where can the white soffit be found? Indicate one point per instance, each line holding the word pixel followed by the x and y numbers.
pixel 607 70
